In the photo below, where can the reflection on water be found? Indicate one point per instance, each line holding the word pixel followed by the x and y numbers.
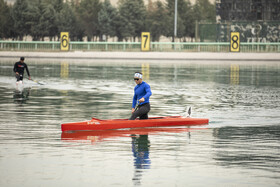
pixel 21 97
pixel 249 147
pixel 241 99
pixel 139 142
pixel 234 74
pixel 98 136
pixel 64 71
pixel 140 149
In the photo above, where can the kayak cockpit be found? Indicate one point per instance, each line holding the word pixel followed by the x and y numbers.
pixel 151 118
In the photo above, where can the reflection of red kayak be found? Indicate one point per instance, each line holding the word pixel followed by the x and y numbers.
pixel 94 136
pixel 97 124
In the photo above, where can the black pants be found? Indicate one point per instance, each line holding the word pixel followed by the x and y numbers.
pixel 142 112
pixel 19 77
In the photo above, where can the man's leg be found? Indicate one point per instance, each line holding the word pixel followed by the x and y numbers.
pixel 18 77
pixel 142 112
pixel 145 116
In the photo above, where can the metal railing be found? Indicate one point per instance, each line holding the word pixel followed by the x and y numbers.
pixel 136 46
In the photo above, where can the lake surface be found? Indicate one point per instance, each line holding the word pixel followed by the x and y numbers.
pixel 239 147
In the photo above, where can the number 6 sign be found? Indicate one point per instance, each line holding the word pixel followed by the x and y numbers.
pixel 145 41
pixel 235 42
pixel 64 41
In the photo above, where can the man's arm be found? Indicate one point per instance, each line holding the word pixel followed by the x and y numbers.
pixel 134 101
pixel 27 71
pixel 148 92
pixel 15 67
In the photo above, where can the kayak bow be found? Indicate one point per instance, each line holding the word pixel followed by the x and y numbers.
pixel 97 124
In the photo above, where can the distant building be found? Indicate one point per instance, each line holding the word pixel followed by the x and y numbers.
pixel 256 20
pixel 247 10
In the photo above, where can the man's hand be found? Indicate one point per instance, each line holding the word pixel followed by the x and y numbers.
pixel 142 100
pixel 17 73
pixel 29 78
pixel 132 110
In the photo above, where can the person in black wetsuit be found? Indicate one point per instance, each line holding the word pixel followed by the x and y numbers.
pixel 19 69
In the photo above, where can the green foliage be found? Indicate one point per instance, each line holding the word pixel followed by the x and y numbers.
pixel 204 10
pixel 96 18
pixel 47 19
pixel 183 20
pixel 5 20
pixel 20 17
pixel 107 19
pixel 132 18
pixel 187 15
pixel 34 13
pixel 156 20
pixel 58 5
pixel 41 20
pixel 88 15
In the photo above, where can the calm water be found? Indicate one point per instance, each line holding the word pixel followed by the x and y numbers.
pixel 239 147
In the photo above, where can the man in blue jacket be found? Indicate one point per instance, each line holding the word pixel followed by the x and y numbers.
pixel 142 93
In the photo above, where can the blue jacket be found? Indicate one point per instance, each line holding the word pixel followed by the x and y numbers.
pixel 141 90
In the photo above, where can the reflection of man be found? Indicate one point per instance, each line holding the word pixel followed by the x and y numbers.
pixel 140 149
pixel 19 69
pixel 21 97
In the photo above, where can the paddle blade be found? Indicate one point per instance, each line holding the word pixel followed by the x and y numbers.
pixel 37 82
pixel 190 111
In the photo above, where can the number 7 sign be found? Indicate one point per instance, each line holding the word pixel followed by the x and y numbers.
pixel 145 41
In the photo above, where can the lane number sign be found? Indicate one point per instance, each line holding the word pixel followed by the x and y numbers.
pixel 235 42
pixel 145 41
pixel 64 43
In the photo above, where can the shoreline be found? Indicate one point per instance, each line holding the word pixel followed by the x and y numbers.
pixel 191 56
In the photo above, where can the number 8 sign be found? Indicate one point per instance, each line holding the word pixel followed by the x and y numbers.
pixel 235 42
pixel 64 41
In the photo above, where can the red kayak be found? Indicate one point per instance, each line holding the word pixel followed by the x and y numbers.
pixel 97 124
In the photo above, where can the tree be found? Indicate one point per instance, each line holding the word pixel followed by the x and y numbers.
pixel 125 26
pixel 48 20
pixel 34 14
pixel 20 17
pixel 204 10
pixel 132 18
pixel 170 19
pixel 91 18
pixel 139 17
pixel 88 15
pixel 67 22
pixel 188 20
pixel 58 5
pixel 42 20
pixel 156 20
pixel 5 20
pixel 107 19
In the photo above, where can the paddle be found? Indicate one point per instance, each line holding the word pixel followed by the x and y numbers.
pixel 190 111
pixel 187 112
pixel 137 105
pixel 37 82
pixel 136 108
